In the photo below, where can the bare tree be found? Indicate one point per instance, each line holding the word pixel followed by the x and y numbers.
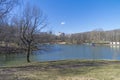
pixel 31 24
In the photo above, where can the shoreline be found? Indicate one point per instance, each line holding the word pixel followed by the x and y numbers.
pixel 63 61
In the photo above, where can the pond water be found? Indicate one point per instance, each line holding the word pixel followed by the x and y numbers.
pixel 64 52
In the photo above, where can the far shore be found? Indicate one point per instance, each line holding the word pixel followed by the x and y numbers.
pixel 13 48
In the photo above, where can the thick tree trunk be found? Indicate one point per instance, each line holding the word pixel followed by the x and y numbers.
pixel 28 53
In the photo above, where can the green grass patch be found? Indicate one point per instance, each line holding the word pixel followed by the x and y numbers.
pixel 63 70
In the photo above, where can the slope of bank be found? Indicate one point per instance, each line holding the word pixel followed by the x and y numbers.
pixel 63 70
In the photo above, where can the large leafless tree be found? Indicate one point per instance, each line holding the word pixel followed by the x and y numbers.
pixel 31 23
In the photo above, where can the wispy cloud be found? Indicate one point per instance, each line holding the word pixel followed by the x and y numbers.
pixel 62 23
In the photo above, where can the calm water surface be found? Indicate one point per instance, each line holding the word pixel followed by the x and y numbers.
pixel 64 52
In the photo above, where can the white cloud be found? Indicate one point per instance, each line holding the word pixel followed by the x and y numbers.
pixel 62 23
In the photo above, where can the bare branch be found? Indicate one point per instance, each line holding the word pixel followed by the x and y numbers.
pixel 6 6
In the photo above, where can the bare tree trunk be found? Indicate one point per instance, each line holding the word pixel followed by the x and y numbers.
pixel 28 53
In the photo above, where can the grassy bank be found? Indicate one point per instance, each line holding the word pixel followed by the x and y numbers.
pixel 63 70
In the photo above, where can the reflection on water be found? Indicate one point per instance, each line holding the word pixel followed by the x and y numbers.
pixel 116 50
pixel 65 52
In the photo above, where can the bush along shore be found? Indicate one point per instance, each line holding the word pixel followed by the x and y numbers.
pixel 63 70
pixel 9 50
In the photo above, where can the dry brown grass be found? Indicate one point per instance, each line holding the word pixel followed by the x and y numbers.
pixel 63 70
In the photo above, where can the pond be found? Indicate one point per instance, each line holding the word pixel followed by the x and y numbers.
pixel 64 52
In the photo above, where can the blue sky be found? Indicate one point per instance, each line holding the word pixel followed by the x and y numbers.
pixel 73 16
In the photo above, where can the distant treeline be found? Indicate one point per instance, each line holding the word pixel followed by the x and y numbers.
pixel 97 36
pixel 10 36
